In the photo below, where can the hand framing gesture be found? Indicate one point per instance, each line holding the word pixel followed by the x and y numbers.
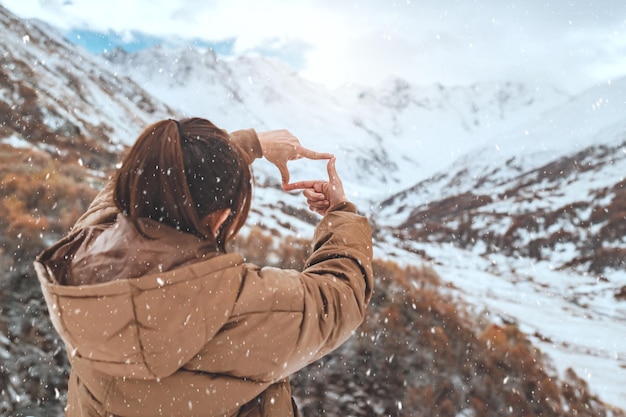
pixel 322 195
pixel 280 146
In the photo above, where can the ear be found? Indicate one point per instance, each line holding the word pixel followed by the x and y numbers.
pixel 216 219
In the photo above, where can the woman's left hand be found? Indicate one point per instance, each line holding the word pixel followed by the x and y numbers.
pixel 280 146
pixel 321 196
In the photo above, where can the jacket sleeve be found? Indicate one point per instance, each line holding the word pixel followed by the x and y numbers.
pixel 284 319
pixel 103 209
pixel 248 143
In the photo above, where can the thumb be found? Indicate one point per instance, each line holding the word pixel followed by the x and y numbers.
pixel 332 170
pixel 284 174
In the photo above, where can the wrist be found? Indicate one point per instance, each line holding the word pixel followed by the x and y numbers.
pixel 343 205
pixel 265 140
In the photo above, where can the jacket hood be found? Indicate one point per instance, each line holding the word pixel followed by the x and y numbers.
pixel 144 326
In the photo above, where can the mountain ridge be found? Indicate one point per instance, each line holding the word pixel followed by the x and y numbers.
pixel 260 93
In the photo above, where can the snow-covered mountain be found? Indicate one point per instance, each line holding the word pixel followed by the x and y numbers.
pixel 386 138
pixel 532 226
pixel 59 99
pixel 551 189
pixel 510 191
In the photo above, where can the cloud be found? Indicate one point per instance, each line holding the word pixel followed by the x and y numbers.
pixel 574 43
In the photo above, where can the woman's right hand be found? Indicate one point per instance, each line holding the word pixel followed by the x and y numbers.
pixel 280 146
pixel 323 195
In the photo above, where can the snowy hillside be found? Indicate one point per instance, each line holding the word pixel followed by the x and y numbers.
pixel 563 172
pixel 386 138
pixel 532 226
pixel 55 94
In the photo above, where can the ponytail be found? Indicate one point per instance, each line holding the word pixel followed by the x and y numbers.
pixel 179 172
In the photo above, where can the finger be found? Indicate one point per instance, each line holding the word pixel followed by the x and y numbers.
pixel 318 203
pixel 307 153
pixel 318 209
pixel 321 211
pixel 312 195
pixel 319 186
pixel 299 185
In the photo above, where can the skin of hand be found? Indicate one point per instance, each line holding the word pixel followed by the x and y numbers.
pixel 322 195
pixel 280 146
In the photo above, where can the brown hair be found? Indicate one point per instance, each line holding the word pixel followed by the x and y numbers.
pixel 179 172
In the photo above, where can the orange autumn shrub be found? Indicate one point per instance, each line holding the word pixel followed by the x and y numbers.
pixel 40 199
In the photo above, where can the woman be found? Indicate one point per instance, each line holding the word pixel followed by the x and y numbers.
pixel 159 320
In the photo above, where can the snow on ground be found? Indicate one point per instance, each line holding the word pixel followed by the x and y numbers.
pixel 567 316
pixel 17 142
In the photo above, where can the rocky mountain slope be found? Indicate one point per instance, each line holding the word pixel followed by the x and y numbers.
pixel 430 346
pixel 540 211
pixel 552 189
pixel 61 100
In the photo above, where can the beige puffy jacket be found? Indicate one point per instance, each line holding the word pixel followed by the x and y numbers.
pixel 157 324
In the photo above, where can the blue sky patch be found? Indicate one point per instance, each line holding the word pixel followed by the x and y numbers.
pixel 101 42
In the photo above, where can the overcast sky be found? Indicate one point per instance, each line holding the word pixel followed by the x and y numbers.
pixel 572 43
